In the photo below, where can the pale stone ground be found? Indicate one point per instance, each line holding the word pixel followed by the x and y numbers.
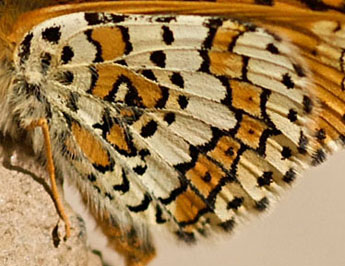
pixel 28 225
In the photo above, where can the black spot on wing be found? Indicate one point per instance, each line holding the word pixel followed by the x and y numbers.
pixel 272 48
pixel 115 18
pixel 266 179
pixel 147 73
pixel 287 81
pixel 92 19
pixel 262 204
pixel 286 153
pixel 177 79
pixel 292 115
pixel 52 34
pixel 169 118
pixel 307 104
pixel 289 176
pixel 320 134
pixel 140 170
pixel 299 70
pixel 235 203
pixel 143 153
pixel 207 177
pixel 67 54
pixel 168 35
pixel 158 58
pixel 149 129
pixel 182 101
pixel 230 152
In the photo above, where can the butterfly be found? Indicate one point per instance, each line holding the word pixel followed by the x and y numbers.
pixel 187 116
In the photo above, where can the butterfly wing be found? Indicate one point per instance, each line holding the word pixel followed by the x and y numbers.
pixel 189 121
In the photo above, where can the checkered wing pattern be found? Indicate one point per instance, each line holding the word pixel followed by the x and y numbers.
pixel 191 122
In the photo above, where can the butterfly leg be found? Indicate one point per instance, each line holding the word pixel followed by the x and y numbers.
pixel 127 242
pixel 43 124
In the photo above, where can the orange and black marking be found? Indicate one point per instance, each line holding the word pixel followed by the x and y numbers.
pixel 109 81
pixel 105 38
pixel 115 134
pixel 92 148
pixel 236 167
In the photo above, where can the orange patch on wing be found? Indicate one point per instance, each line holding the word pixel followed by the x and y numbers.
pixel 225 63
pixel 188 205
pixel 111 41
pixel 250 131
pixel 225 152
pixel 90 146
pixel 117 137
pixel 226 34
pixel 205 175
pixel 109 74
pixel 246 97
